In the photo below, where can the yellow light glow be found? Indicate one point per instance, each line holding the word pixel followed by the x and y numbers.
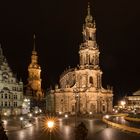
pixel 21 118
pixel 106 116
pixel 5 113
pixel 49 124
pixel 90 113
pixel 123 103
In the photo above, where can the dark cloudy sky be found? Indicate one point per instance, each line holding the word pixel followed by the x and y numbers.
pixel 58 28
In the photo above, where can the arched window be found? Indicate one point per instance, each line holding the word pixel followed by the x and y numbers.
pixel 91 80
pixel 5 96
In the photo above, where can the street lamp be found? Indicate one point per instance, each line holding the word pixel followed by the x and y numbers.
pixel 50 125
pixel 66 116
pixel 76 95
pixel 30 115
pixel 60 113
pixel 21 120
pixel 90 113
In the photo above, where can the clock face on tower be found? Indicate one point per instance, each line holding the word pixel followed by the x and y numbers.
pixel 5 75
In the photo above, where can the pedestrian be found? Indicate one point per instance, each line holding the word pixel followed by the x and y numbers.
pixel 3 135
pixel 81 132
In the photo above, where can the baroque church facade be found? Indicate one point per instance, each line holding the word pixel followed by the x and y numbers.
pixel 11 90
pixel 81 87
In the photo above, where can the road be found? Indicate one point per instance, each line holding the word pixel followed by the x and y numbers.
pixel 97 130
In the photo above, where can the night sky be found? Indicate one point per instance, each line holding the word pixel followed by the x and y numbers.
pixel 58 28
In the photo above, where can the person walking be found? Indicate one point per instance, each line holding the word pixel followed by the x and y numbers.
pixel 81 132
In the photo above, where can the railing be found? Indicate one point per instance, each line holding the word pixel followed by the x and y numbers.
pixel 132 119
pixel 122 127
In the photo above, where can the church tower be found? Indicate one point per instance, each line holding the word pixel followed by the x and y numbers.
pixel 89 52
pixel 34 70
pixel 89 73
pixel 81 89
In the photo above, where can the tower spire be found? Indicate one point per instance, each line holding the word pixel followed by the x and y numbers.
pixel 89 53
pixel 88 18
pixel 88 9
pixel 34 42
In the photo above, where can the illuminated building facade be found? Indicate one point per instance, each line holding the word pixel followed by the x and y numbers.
pixel 11 90
pixel 133 101
pixel 81 87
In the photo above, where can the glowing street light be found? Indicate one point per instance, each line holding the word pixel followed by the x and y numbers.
pixel 21 120
pixel 106 116
pixel 123 103
pixel 90 113
pixel 30 115
pixel 66 116
pixel 40 110
pixel 36 112
pixel 5 113
pixel 50 125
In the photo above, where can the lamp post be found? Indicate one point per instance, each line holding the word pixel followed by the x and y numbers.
pixel 50 125
pixel 21 120
pixel 76 94
pixel 66 117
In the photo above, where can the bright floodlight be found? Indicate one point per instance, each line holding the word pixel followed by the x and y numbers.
pixel 50 124
pixel 66 116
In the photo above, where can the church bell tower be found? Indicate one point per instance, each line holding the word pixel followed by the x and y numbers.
pixel 89 52
pixel 34 70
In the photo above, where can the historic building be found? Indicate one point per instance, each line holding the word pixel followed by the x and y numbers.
pixel 81 87
pixel 33 89
pixel 133 102
pixel 11 90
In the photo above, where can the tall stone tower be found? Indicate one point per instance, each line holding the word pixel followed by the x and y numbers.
pixel 89 52
pixel 89 56
pixel 34 80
